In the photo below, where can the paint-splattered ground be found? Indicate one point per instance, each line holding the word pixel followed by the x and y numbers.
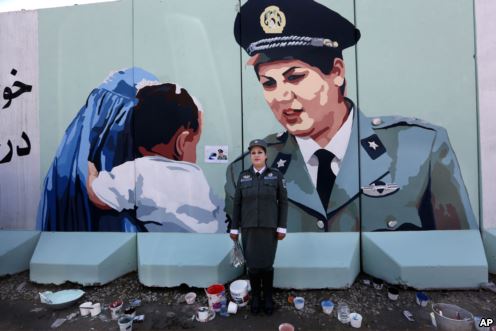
pixel 165 309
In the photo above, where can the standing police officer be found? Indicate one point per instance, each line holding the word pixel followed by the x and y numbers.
pixel 260 210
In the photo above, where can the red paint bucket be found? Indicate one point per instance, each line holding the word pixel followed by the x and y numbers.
pixel 216 293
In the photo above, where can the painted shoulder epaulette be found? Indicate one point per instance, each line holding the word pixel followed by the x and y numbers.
pixel 385 122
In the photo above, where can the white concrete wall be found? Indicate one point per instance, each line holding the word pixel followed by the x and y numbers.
pixel 486 67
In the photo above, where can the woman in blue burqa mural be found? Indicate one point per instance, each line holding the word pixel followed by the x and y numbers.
pixel 102 135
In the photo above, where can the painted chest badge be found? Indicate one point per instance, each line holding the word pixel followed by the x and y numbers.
pixel 272 20
pixel 380 189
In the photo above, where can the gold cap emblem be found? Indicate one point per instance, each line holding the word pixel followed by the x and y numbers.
pixel 272 20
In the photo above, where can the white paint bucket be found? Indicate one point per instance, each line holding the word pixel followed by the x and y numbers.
pixel 125 323
pixel 239 292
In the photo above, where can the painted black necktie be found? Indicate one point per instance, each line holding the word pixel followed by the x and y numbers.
pixel 325 176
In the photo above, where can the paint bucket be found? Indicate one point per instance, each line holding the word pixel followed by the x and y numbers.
pixel 299 303
pixel 239 292
pixel 356 320
pixel 327 306
pixel 190 298
pixel 85 308
pixel 452 318
pixel 422 299
pixel 286 327
pixel 393 293
pixel 115 309
pixel 216 294
pixel 125 323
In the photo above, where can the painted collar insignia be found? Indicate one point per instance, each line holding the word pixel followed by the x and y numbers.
pixel 373 146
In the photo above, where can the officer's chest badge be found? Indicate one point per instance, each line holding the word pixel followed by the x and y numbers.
pixel 270 175
pixel 272 20
pixel 246 178
pixel 380 189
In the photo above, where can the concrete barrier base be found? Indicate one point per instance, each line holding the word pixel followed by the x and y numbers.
pixel 16 250
pixel 489 238
pixel 194 259
pixel 426 259
pixel 317 260
pixel 86 258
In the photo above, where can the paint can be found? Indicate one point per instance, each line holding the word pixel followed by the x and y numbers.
pixel 239 292
pixel 125 323
pixel 216 295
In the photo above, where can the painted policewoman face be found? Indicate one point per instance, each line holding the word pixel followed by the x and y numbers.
pixel 300 95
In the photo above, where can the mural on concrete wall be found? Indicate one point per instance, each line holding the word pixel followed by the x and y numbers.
pixel 127 163
pixel 344 171
pixel 386 172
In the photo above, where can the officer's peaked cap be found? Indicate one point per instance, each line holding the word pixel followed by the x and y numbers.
pixel 264 25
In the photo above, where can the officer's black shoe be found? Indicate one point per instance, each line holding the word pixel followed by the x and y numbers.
pixel 268 308
pixel 255 305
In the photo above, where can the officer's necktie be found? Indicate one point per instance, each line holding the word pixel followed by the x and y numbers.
pixel 325 176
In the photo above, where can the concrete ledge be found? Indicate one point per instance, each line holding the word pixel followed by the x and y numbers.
pixel 489 238
pixel 317 260
pixel 195 259
pixel 87 258
pixel 16 250
pixel 426 259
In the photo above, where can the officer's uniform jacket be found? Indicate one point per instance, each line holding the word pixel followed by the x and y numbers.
pixel 409 179
pixel 260 201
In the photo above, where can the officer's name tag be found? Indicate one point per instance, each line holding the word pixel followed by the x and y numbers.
pixel 380 190
pixel 270 176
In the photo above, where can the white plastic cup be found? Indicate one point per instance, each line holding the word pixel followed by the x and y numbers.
pixel 85 308
pixel 190 298
pixel 97 309
pixel 202 314
pixel 299 303
pixel 327 306
pixel 356 320
pixel 286 327
pixel 232 308
pixel 125 323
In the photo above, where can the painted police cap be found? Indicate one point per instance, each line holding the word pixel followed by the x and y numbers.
pixel 263 26
pixel 259 143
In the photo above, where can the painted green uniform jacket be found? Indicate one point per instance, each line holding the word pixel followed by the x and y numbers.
pixel 260 201
pixel 397 174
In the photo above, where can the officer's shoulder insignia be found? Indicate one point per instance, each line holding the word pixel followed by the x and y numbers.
pixel 373 146
pixel 281 162
pixel 385 122
pixel 380 189
pixel 272 20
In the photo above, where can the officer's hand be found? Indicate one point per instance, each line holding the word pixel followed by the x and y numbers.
pixel 234 236
pixel 280 236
